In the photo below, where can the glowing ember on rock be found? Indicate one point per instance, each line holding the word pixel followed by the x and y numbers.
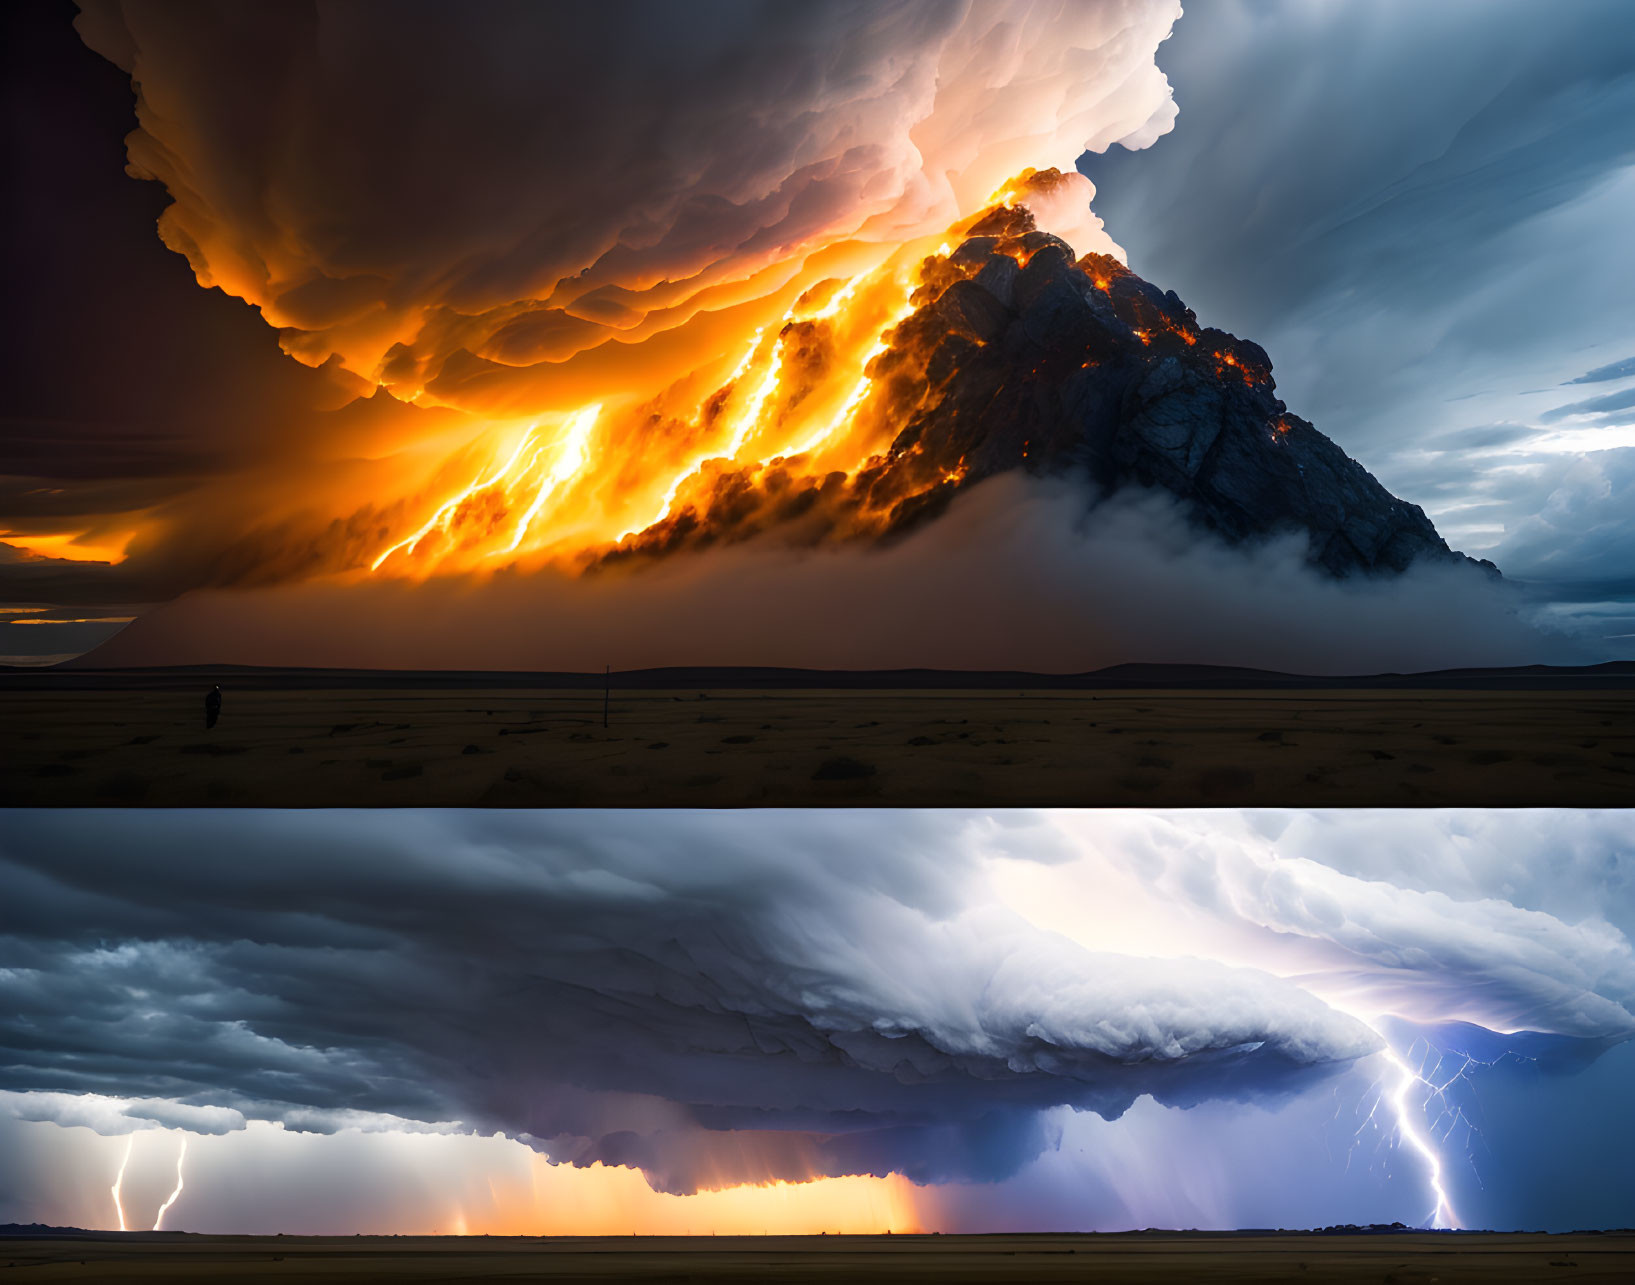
pixel 1228 360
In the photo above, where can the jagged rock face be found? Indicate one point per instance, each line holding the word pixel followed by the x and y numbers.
pixel 1019 355
pixel 1067 365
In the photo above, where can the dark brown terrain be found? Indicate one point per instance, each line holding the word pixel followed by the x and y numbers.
pixel 1563 738
pixel 1403 1258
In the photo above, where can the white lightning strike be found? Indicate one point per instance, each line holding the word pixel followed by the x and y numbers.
pixel 181 1155
pixel 1395 1090
pixel 119 1179
pixel 1441 1214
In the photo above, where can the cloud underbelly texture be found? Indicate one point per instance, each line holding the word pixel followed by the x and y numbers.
pixel 654 991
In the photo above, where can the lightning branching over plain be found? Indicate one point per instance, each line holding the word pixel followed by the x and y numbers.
pixel 181 1155
pixel 119 1182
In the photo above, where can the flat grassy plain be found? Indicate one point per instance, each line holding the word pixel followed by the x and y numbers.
pixel 1401 1258
pixel 509 745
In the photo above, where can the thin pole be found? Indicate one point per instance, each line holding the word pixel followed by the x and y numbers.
pixel 607 684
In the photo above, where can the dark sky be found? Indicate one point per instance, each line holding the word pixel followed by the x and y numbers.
pixel 126 384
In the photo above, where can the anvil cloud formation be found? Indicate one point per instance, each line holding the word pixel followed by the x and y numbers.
pixel 719 999
pixel 556 209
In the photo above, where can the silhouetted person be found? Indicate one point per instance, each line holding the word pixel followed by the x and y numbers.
pixel 212 706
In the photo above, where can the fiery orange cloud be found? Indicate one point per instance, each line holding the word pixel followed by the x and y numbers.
pixel 815 397
pixel 727 301
pixel 795 393
pixel 804 414
pixel 837 131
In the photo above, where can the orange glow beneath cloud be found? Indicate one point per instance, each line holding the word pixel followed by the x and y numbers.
pixel 559 1200
pixel 434 1183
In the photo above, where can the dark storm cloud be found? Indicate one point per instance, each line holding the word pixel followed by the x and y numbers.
pixel 1418 210
pixel 1381 149
pixel 58 586
pixel 126 386
pixel 1582 532
pixel 1367 189
pixel 34 448
pixel 384 192
pixel 830 987
pixel 117 364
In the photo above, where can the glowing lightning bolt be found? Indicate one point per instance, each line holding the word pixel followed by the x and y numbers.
pixel 757 401
pixel 119 1179
pixel 860 389
pixel 839 299
pixel 570 459
pixel 749 416
pixel 1441 1214
pixel 164 1208
pixel 675 484
pixel 446 511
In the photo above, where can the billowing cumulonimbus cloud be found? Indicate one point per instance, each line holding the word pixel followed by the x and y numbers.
pixel 552 177
pixel 1516 921
pixel 711 1000
pixel 566 207
pixel 722 998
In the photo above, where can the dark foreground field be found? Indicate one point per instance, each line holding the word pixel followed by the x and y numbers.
pixel 1151 738
pixel 1446 1258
